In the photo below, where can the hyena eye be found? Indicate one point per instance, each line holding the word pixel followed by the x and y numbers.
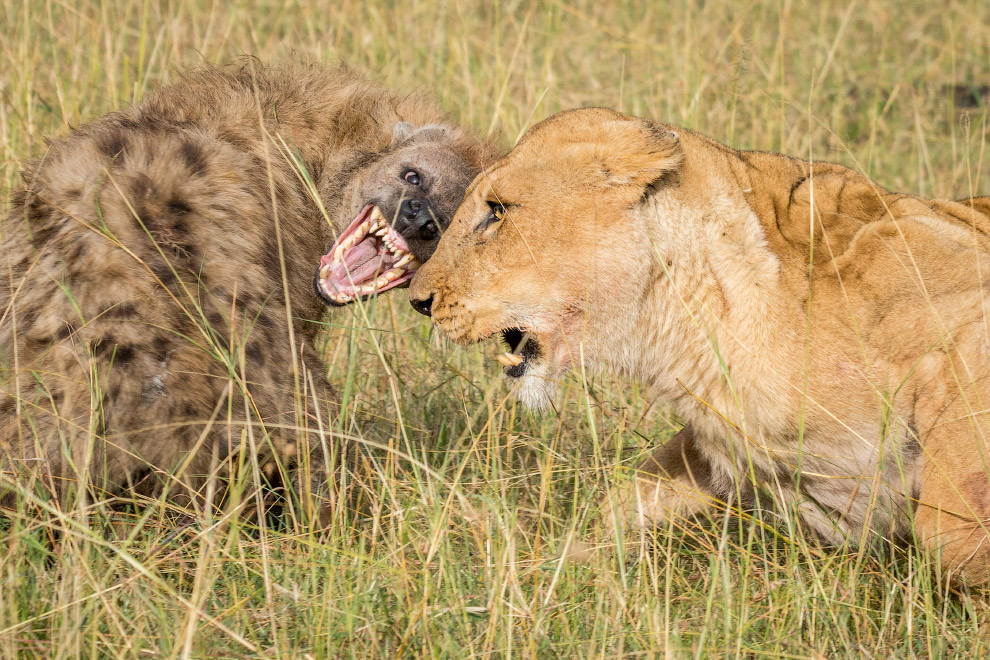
pixel 411 176
pixel 497 215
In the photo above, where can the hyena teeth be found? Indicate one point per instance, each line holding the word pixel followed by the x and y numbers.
pixel 404 260
pixel 393 274
pixel 413 265
pixel 382 281
pixel 381 232
pixel 362 230
pixel 365 289
pixel 509 359
pixel 376 215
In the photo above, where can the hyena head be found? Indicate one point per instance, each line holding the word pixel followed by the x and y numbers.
pixel 403 201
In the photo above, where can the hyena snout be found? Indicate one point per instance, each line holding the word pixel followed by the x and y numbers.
pixel 416 220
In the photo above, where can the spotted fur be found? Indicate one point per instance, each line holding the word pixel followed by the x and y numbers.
pixel 150 327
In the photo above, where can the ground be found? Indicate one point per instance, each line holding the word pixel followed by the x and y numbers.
pixel 484 541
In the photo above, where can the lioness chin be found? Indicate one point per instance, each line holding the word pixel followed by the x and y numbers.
pixel 824 339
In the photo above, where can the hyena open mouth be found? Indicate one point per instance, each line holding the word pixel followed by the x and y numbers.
pixel 369 257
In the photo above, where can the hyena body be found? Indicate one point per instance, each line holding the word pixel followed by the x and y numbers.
pixel 158 273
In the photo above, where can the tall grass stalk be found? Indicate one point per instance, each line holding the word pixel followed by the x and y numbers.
pixel 485 536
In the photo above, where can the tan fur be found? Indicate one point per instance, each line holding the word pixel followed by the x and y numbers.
pixel 145 321
pixel 841 372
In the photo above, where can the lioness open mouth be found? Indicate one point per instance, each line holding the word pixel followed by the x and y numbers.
pixel 368 257
pixel 524 349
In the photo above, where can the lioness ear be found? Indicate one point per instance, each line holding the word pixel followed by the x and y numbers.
pixel 626 153
pixel 404 131
pixel 636 153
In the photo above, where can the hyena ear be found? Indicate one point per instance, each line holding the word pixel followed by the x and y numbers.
pixel 630 153
pixel 404 131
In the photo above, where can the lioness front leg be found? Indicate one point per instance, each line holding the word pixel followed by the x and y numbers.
pixel 675 481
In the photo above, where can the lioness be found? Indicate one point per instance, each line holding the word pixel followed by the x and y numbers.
pixel 159 270
pixel 825 340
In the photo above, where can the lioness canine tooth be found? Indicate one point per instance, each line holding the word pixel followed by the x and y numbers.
pixel 509 359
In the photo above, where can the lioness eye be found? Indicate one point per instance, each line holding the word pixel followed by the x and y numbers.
pixel 411 176
pixel 497 214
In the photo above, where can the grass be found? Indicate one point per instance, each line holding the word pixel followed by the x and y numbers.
pixel 485 538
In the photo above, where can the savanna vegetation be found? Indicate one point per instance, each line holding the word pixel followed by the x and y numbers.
pixel 482 534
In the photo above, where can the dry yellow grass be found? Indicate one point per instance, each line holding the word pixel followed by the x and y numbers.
pixel 484 540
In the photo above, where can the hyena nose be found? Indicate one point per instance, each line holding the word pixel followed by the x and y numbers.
pixel 423 306
pixel 415 220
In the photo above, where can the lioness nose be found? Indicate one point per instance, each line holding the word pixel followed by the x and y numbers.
pixel 423 306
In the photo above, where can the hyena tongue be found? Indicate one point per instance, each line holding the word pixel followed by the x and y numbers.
pixel 360 253
pixel 360 263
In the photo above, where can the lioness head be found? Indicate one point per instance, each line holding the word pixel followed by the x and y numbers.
pixel 401 201
pixel 544 248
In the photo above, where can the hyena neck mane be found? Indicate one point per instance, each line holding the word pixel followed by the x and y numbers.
pixel 310 134
pixel 298 118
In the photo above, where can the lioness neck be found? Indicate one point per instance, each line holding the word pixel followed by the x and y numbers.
pixel 715 314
